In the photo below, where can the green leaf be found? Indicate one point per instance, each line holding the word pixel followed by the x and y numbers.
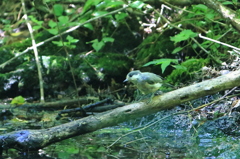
pixel 89 26
pixel 107 39
pixel 137 4
pixel 163 62
pixel 194 46
pixel 154 62
pixel 165 65
pixel 121 16
pixel 176 50
pixel 200 8
pixel 180 67
pixel 53 31
pixel 160 61
pixel 71 39
pixel 98 45
pixel 210 15
pixel 33 19
pixel 52 24
pixel 58 43
pixel 227 3
pixel 89 4
pixel 58 9
pixel 63 20
pixel 101 149
pixel 37 27
pixel 99 13
pixel 19 100
pixel 72 46
pixel 93 41
pixel 115 4
pixel 183 35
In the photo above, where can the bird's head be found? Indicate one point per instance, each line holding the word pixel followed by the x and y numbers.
pixel 133 76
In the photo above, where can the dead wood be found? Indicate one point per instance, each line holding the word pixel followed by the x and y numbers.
pixel 53 105
pixel 36 139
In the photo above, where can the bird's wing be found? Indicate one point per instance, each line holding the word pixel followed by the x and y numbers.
pixel 151 78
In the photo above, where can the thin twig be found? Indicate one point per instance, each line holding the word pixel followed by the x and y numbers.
pixel 225 44
pixel 35 53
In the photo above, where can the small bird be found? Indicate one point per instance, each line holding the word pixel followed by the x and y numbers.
pixel 146 82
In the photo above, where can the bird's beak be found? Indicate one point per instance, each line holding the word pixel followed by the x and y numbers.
pixel 125 80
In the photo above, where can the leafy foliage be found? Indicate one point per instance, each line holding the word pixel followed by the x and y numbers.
pixel 183 35
pixel 104 48
pixel 98 45
pixel 186 70
pixel 163 62
pixel 69 44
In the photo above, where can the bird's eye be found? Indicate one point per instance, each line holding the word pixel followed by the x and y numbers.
pixel 150 82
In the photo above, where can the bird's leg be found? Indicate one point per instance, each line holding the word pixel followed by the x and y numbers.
pixel 151 95
pixel 150 98
pixel 141 97
pixel 138 95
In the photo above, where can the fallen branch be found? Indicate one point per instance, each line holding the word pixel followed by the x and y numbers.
pixel 25 140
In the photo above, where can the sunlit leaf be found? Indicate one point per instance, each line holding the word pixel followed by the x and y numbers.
pixel 33 19
pixel 99 13
pixel 58 43
pixel 93 41
pixel 165 65
pixel 53 31
pixel 160 61
pixel 210 15
pixel 89 26
pixel 89 4
pixel 163 62
pixel 177 49
pixel 16 34
pixel 137 4
pixel 200 8
pixel 115 4
pixel 107 39
pixel 58 9
pixel 71 39
pixel 227 3
pixel 180 67
pixel 184 35
pixel 37 27
pixel 121 16
pixel 17 120
pixel 98 45
pixel 52 24
pixel 19 100
pixel 101 149
pixel 63 20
